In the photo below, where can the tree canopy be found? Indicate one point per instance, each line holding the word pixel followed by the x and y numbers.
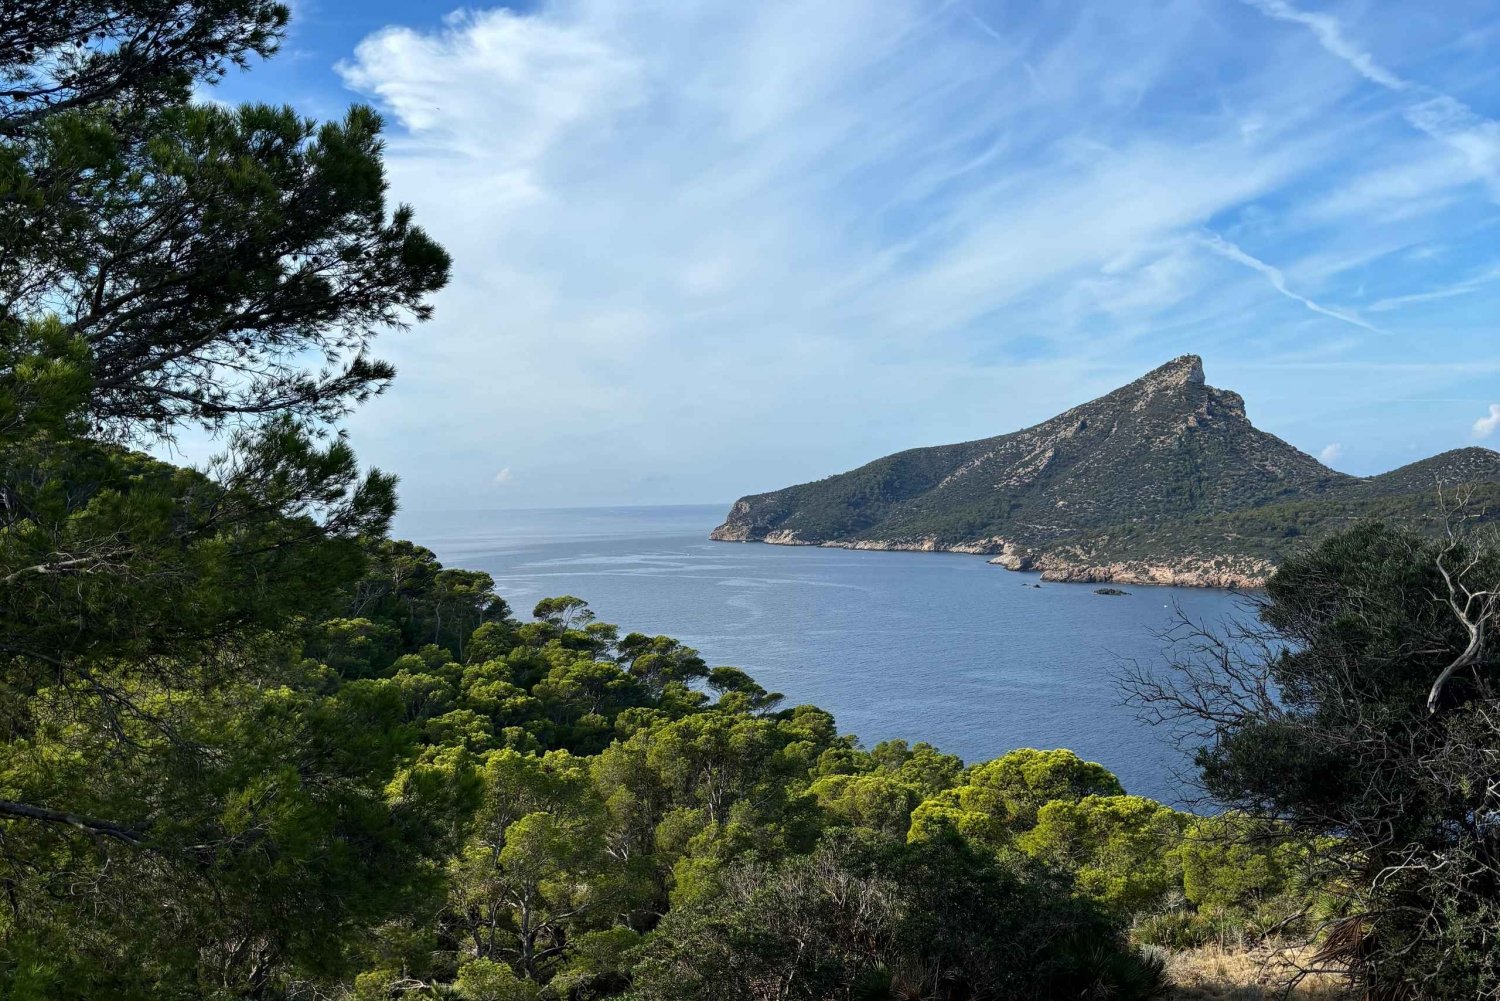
pixel 1360 725
pixel 251 747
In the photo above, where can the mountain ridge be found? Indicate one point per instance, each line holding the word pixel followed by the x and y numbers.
pixel 1163 480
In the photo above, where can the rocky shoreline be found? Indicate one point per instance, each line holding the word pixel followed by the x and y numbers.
pixel 1230 573
pixel 1224 572
pixel 1162 481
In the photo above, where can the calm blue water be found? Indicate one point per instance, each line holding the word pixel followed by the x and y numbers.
pixel 926 646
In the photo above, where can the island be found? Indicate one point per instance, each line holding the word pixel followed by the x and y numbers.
pixel 1162 481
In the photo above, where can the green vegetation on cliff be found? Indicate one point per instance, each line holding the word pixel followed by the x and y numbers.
pixel 1164 470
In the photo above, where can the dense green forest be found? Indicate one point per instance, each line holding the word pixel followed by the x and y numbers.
pixel 252 747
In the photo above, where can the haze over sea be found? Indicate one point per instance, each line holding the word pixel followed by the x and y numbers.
pixel 939 647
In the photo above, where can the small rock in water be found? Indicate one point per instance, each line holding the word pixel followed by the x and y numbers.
pixel 1037 586
pixel 1109 590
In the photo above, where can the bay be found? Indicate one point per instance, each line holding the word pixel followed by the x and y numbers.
pixel 941 647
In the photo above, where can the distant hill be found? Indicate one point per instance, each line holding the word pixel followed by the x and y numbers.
pixel 1164 480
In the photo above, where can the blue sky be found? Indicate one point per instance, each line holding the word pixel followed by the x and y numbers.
pixel 710 248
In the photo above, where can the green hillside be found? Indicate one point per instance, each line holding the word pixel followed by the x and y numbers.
pixel 1166 469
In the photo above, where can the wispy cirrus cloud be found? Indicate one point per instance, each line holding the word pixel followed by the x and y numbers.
pixel 1229 251
pixel 1330 34
pixel 1442 116
pixel 1464 287
pixel 706 248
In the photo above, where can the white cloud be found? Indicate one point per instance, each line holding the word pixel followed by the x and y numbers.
pixel 1331 453
pixel 1330 35
pixel 1486 426
pixel 503 477
pixel 1464 287
pixel 495 83
pixel 1472 136
pixel 1411 183
pixel 706 248
pixel 1224 248
pixel 1441 116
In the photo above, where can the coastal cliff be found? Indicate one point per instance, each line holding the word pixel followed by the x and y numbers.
pixel 1163 481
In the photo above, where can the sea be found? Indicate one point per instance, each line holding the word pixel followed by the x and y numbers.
pixel 936 647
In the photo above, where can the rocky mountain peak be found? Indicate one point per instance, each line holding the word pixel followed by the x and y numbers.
pixel 1165 472
pixel 1176 389
pixel 1171 397
pixel 1184 370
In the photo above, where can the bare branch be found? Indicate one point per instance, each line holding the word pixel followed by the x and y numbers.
pixel 89 825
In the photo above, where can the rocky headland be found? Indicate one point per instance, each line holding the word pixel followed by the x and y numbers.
pixel 1163 481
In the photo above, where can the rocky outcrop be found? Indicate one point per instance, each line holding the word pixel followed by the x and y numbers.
pixel 1163 481
pixel 737 527
pixel 1230 573
pixel 1237 573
